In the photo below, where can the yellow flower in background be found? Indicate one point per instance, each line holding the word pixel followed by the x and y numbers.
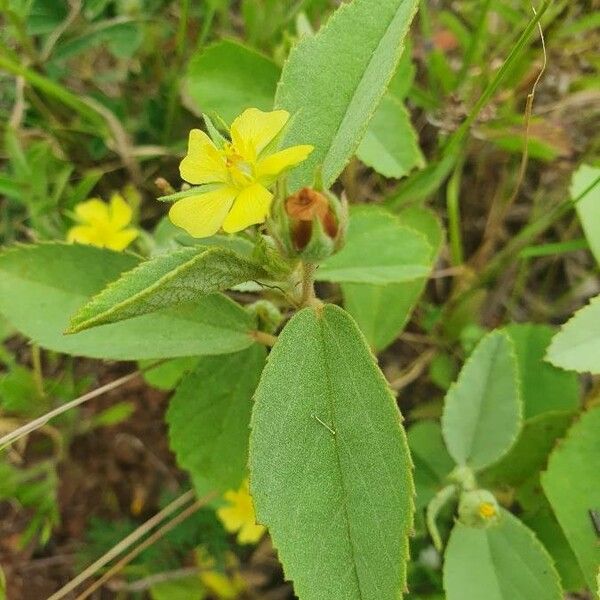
pixel 240 516
pixel 226 585
pixel 103 224
pixel 241 172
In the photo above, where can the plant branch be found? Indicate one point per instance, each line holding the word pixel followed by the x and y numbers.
pixel 159 533
pixel 124 544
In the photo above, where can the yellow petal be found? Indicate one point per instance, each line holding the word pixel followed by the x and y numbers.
pixel 219 584
pixel 202 215
pixel 93 212
pixel 84 234
pixel 250 207
pixel 254 129
pixel 270 167
pixel 119 240
pixel 203 162
pixel 250 533
pixel 231 517
pixel 120 212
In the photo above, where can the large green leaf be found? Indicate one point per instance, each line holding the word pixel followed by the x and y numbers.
pixel 227 78
pixel 330 467
pixel 390 145
pixel 164 281
pixel 572 488
pixel 545 526
pixel 358 49
pixel 544 387
pixel 588 206
pixel 577 345
pixel 382 311
pixel 379 249
pixel 42 286
pixel 482 411
pixel 209 417
pixel 503 562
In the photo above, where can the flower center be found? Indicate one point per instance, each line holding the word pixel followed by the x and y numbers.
pixel 240 171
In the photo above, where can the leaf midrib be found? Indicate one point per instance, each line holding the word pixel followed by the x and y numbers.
pixel 360 80
pixel 338 461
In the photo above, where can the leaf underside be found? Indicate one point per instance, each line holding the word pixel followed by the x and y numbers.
pixel 42 286
pixel 164 281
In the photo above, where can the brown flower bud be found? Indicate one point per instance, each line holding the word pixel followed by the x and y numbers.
pixel 303 208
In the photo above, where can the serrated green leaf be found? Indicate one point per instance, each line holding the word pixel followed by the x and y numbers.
pixel 335 121
pixel 545 526
pixel 503 562
pixel 330 467
pixel 209 417
pixel 379 250
pixel 544 387
pixel 482 411
pixel 588 206
pixel 571 486
pixel 530 452
pixel 227 78
pixel 382 311
pixel 390 145
pixel 577 345
pixel 42 286
pixel 167 280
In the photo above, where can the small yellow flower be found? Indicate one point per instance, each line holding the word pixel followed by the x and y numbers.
pixel 487 510
pixel 241 171
pixel 226 585
pixel 103 225
pixel 240 516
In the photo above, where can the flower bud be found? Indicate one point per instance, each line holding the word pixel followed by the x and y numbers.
pixel 310 224
pixel 478 508
pixel 268 316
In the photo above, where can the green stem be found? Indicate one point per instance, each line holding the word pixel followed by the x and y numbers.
pixel 264 338
pixel 471 52
pixel 38 374
pixel 52 89
pixel 427 181
pixel 454 221
pixel 308 295
pixel 511 251
pixel 180 45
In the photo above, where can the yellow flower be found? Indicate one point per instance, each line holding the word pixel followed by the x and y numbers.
pixel 241 171
pixel 487 510
pixel 103 225
pixel 226 585
pixel 239 516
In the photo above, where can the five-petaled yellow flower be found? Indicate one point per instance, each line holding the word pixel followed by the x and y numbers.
pixel 102 224
pixel 240 516
pixel 241 170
